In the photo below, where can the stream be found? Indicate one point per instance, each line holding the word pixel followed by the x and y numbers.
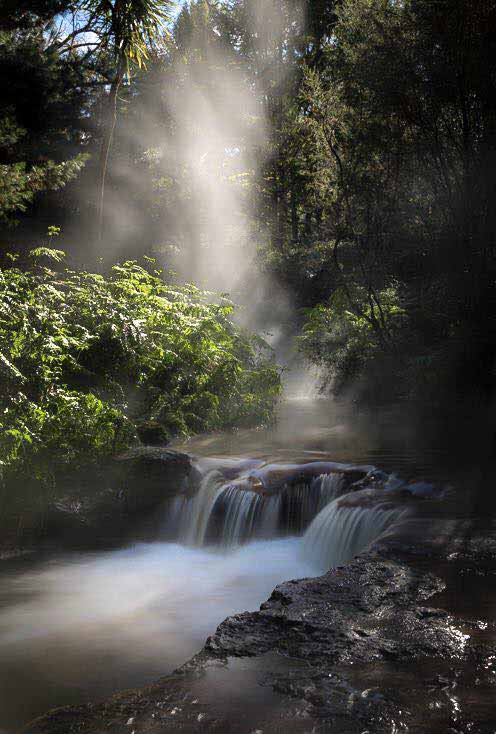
pixel 77 627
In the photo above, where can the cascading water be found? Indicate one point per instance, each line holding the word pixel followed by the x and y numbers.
pixel 194 523
pixel 343 529
pixel 330 487
pixel 237 514
pixel 230 514
pixel 335 524
pixel 127 616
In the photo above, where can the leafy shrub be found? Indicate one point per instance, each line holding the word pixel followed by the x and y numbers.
pixel 346 339
pixel 86 359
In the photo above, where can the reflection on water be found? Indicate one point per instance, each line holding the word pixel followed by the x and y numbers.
pixel 398 439
pixel 83 626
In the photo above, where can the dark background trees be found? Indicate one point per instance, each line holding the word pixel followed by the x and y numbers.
pixel 374 201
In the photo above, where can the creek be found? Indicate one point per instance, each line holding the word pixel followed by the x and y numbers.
pixel 273 505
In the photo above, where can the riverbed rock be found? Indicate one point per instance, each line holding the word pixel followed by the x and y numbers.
pixel 272 478
pixel 382 644
pixel 110 503
pixel 148 474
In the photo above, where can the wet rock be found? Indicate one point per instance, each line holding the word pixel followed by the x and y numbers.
pixel 364 647
pixel 108 504
pixel 362 612
pixel 150 473
pixel 274 477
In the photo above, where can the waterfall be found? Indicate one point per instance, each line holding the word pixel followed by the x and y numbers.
pixel 197 511
pixel 230 513
pixel 269 518
pixel 335 526
pixel 330 487
pixel 237 512
pixel 300 503
pixel 341 531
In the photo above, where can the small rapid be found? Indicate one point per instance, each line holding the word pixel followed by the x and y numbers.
pixel 231 513
pixel 344 528
pixel 126 617
pixel 330 524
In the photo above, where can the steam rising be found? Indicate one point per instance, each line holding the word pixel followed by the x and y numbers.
pixel 205 119
pixel 220 111
pixel 220 129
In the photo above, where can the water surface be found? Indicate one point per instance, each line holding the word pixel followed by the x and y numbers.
pixel 79 627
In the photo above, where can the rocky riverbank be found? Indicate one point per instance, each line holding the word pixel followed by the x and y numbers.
pixel 100 505
pixel 401 639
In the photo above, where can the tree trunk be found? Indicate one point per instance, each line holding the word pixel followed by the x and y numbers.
pixel 108 136
pixel 294 213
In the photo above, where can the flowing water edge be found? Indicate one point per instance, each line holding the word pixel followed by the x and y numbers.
pixel 77 627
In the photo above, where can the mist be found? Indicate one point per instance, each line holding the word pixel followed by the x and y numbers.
pixel 200 143
pixel 182 185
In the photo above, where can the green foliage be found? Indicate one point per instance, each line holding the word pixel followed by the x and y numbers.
pixel 131 27
pixel 341 335
pixel 40 121
pixel 386 176
pixel 377 171
pixel 19 184
pixel 85 358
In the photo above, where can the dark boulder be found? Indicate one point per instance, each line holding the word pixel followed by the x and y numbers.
pixel 149 474
pixel 380 645
pixel 107 504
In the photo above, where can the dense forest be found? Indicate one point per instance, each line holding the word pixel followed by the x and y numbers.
pixel 247 366
pixel 350 151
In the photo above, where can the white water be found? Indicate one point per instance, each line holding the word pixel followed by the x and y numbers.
pixel 163 599
pixel 341 531
pixel 120 619
pixel 196 513
pixel 330 487
pixel 82 626
pixel 230 515
pixel 339 526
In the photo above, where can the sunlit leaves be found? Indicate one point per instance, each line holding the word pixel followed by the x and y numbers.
pixel 131 27
pixel 97 355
